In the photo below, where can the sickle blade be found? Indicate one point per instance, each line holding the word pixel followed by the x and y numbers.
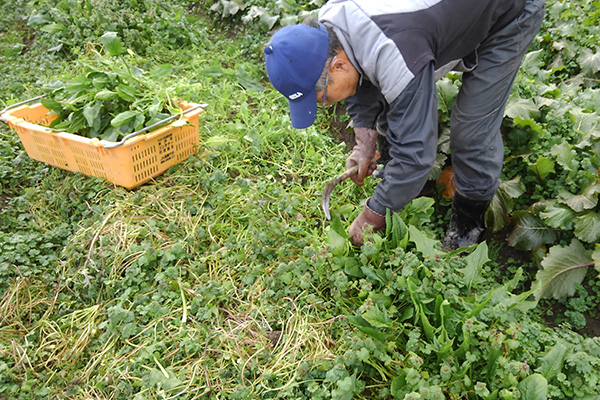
pixel 331 185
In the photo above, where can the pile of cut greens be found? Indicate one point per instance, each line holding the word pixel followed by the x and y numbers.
pixel 109 97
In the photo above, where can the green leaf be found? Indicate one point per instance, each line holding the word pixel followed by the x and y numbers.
pixel 565 155
pixel 178 122
pixel 529 123
pixel 398 385
pixel 596 257
pixel 52 104
pixel 213 70
pixel 447 91
pixel 534 387
pixel 418 211
pixel 563 268
pixel 110 134
pixel 421 205
pixel 136 71
pixel 91 112
pixel 370 273
pixel 99 79
pixel 232 7
pixel 396 230
pixel 351 267
pixel 106 95
pixel 267 20
pixel 587 227
pixel 530 232
pixel 377 317
pixel 53 28
pixel 288 20
pixel 504 295
pixel 552 363
pixel 77 85
pixel 126 92
pixel 542 167
pixel 161 71
pixel 478 307
pixel 155 109
pixel 362 325
pixel 253 138
pixel 124 118
pixel 38 19
pixel 286 5
pixel 338 238
pixel 532 61
pixel 159 117
pixel 76 122
pixel 425 245
pixel 497 214
pixel 55 49
pixel 492 360
pixel 60 125
pixel 587 199
pixel 112 43
pixel 247 81
pixel 513 188
pixel 345 388
pixel 585 121
pixel 475 261
pixel 217 140
pixel 558 216
pixel 427 327
pixel 589 61
pixel 519 107
pixel 158 378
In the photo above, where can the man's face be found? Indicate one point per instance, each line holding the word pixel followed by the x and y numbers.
pixel 343 81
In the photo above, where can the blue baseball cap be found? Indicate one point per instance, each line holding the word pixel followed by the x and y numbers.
pixel 295 59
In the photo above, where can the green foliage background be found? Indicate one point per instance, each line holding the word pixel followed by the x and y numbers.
pixel 221 278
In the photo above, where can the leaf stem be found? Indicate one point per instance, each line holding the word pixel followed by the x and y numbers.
pixel 579 266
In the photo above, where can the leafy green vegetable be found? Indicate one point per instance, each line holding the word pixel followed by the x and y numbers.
pixel 563 268
pixel 112 44
pixel 534 387
pixel 110 98
pixel 338 238
pixel 530 232
pixel 552 363
pixel 475 261
pixel 425 245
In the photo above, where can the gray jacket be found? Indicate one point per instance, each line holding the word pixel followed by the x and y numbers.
pixel 397 47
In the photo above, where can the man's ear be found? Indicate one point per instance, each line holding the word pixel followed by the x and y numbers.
pixel 340 63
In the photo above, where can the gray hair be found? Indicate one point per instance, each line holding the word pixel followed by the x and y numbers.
pixel 334 47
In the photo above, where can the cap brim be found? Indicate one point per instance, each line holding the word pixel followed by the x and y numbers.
pixel 303 112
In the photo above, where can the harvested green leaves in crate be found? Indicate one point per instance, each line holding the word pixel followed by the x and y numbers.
pixel 109 97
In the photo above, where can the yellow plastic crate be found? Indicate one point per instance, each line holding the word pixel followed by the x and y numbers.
pixel 128 163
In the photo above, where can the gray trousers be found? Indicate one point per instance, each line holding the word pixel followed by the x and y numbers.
pixel 475 139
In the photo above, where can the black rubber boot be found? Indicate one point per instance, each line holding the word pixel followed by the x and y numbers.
pixel 467 224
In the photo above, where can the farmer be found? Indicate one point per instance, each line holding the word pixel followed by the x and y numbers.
pixel 383 57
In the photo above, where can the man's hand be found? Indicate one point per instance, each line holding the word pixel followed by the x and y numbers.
pixel 363 154
pixel 366 217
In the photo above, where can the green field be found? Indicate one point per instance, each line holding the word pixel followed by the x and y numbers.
pixel 222 279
